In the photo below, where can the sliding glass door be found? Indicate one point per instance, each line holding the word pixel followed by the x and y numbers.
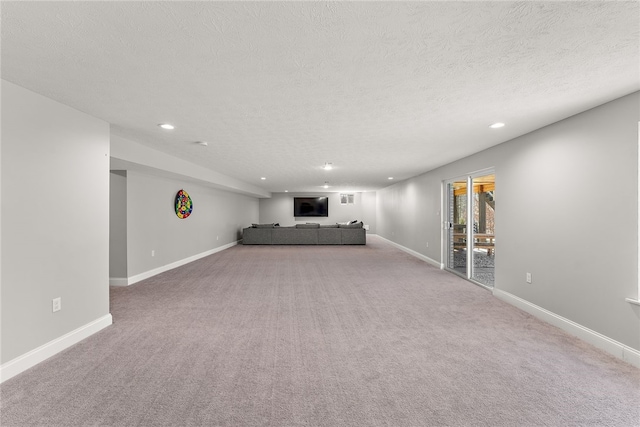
pixel 469 241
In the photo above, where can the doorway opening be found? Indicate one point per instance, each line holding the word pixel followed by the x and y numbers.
pixel 469 242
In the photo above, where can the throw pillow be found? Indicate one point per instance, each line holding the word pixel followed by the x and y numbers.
pixel 356 225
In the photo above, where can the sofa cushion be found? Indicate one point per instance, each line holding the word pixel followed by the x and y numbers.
pixel 354 236
pixel 330 236
pixel 256 236
pixel 328 225
pixel 292 236
pixel 307 225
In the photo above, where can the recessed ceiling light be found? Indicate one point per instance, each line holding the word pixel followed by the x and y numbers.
pixel 497 125
pixel 390 178
pixel 326 184
pixel 203 143
pixel 286 191
pixel 263 178
pixel 167 126
pixel 327 166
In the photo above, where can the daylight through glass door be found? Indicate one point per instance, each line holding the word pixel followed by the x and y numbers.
pixel 483 239
pixel 457 227
pixel 470 228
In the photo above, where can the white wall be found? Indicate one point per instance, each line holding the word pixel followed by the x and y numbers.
pixel 127 154
pixel 279 209
pixel 55 223
pixel 566 211
pixel 152 225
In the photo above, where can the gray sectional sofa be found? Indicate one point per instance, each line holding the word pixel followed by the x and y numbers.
pixel 305 234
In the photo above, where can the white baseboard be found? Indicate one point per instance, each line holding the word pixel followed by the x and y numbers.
pixel 118 281
pixel 414 253
pixel 617 349
pixel 32 358
pixel 613 347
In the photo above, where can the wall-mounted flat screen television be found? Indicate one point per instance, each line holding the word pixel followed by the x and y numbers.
pixel 310 206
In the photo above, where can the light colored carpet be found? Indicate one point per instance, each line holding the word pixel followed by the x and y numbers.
pixel 321 336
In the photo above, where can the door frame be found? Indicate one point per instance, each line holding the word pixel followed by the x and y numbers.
pixel 445 251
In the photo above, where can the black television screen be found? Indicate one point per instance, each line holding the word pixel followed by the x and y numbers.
pixel 310 206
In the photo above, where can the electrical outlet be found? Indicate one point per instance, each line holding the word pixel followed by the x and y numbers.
pixel 528 277
pixel 153 252
pixel 56 304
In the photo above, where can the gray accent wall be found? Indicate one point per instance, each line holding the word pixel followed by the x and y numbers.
pixel 566 211
pixel 55 220
pixel 152 224
pixel 118 224
pixel 279 209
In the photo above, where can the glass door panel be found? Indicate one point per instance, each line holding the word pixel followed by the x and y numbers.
pixel 457 226
pixel 483 230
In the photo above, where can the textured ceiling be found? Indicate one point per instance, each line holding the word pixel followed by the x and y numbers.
pixel 279 88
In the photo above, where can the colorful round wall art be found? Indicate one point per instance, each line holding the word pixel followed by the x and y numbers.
pixel 184 205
